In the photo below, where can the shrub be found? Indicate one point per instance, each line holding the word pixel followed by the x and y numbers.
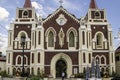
pixel 4 74
pixel 35 78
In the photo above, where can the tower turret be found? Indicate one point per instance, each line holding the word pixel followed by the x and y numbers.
pixel 93 4
pixel 27 4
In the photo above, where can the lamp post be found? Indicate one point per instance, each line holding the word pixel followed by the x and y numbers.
pixel 23 45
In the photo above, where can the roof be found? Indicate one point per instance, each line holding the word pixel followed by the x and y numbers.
pixel 93 4
pixel 3 58
pixel 27 4
pixel 57 11
pixel 117 50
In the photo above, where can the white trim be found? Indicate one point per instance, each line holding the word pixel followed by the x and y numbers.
pixel 100 59
pixel 21 60
pixel 68 62
pixel 50 29
pixel 61 8
pixel 95 40
pixel 25 16
pixel 72 29
pixel 17 60
pixel 104 59
pixel 61 50
pixel 46 36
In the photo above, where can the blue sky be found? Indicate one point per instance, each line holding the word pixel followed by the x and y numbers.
pixel 45 7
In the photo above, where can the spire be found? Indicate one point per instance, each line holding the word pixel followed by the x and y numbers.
pixel 27 4
pixel 93 4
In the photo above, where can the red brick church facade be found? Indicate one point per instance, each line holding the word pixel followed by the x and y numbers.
pixel 60 42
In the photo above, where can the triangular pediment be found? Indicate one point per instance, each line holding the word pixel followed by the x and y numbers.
pixel 60 11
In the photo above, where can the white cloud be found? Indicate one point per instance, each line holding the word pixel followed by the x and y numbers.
pixel 3 13
pixel 39 9
pixel 3 43
pixel 37 5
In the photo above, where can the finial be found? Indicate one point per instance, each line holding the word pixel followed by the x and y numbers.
pixel 61 2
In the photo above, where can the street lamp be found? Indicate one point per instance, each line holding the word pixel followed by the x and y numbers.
pixel 23 45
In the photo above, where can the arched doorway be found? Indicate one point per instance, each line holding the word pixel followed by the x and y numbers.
pixel 65 59
pixel 61 66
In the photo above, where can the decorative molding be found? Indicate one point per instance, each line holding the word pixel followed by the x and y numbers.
pixel 61 8
pixel 61 20
pixel 61 37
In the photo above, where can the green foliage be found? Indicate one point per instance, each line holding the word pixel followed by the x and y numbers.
pixel 114 74
pixel 36 78
pixel 41 75
pixel 4 74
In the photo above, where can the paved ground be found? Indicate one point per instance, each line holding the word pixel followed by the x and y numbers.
pixel 61 79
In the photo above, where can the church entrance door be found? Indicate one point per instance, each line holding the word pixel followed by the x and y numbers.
pixel 61 67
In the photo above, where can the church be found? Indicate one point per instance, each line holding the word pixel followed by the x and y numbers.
pixel 60 42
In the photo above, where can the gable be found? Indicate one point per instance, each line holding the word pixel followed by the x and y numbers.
pixel 60 11
pixel 70 22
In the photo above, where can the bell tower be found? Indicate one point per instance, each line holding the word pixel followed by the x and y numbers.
pixel 95 14
pixel 100 37
pixel 24 24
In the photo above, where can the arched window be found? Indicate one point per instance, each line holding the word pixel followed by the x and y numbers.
pixel 83 36
pixel 112 57
pixel 8 70
pixel 98 60
pixel 28 71
pixel 102 60
pixel 10 38
pixel 39 37
pixel 38 71
pixel 19 60
pixel 23 34
pixel 51 39
pixel 25 14
pixel 84 60
pixel 8 57
pixel 23 37
pixel 97 15
pixel 84 70
pixel 71 39
pixel 32 71
pixel 33 38
pixel 102 70
pixel 38 57
pixel 32 57
pixel 14 71
pixel 89 58
pixel 99 39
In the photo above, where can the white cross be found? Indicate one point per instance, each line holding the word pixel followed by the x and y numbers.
pixel 61 2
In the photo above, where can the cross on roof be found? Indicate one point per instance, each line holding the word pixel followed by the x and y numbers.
pixel 61 2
